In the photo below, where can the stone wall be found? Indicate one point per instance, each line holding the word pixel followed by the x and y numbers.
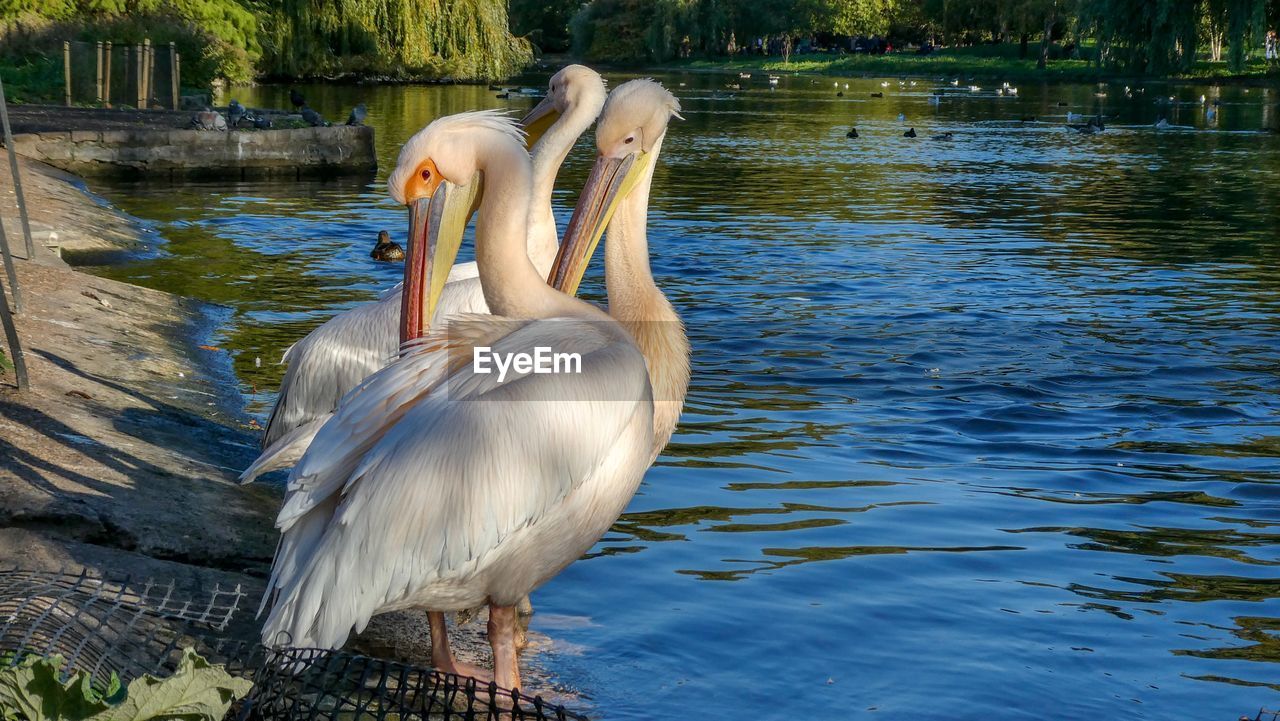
pixel 147 153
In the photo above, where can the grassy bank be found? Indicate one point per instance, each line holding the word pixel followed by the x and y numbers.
pixel 977 62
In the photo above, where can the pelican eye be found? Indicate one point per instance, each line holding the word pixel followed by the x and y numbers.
pixel 629 141
pixel 426 174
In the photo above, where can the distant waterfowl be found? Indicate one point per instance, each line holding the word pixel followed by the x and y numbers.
pixel 209 120
pixel 1095 125
pixel 773 80
pixel 955 83
pixel 839 93
pixel 296 98
pixel 853 133
pixel 1062 103
pixel 235 111
pixel 312 118
pixel 885 84
pixel 503 96
pixel 495 87
pixel 1074 117
pixel 744 76
pixel 911 133
pixel 386 250
pixel 877 95
pixel 1162 124
pixel 358 114
pixel 947 136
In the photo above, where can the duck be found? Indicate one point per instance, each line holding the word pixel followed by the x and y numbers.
pixel 911 133
pixel 877 95
pixel 947 136
pixel 1162 124
pixel 387 250
pixel 853 133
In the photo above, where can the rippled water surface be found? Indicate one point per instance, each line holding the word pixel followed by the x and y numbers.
pixel 986 428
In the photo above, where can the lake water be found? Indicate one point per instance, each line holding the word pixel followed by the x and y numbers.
pixel 986 428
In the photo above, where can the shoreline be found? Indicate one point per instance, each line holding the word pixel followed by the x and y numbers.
pixel 971 67
pixel 121 458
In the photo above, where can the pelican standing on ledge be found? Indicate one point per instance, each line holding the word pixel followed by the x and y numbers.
pixel 435 486
pixel 344 350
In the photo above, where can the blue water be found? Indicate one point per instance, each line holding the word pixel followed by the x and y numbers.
pixel 986 428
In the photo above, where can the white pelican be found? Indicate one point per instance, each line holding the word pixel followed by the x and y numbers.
pixel 344 350
pixel 439 487
pixel 635 300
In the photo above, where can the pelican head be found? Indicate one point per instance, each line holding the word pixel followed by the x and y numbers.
pixel 629 136
pixel 437 176
pixel 574 86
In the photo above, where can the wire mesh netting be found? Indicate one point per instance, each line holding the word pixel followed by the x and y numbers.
pixel 326 685
pixel 130 628
pixel 121 627
pixel 123 75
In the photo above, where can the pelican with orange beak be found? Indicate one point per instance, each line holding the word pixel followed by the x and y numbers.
pixel 344 350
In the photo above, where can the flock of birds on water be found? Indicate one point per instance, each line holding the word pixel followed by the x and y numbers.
pixel 408 492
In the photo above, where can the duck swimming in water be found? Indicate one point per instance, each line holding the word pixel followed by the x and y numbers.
pixel 386 250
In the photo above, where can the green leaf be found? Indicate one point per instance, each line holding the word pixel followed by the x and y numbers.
pixel 33 691
pixel 198 691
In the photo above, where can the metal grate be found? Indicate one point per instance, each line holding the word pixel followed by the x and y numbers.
pixel 119 627
pixel 323 685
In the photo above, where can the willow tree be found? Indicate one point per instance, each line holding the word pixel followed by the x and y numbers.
pixel 459 39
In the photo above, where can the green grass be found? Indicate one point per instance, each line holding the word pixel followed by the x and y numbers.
pixel 1000 61
pixel 32 80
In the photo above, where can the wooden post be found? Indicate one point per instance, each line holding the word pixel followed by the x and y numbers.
pixel 100 71
pixel 138 64
pixel 173 73
pixel 128 54
pixel 177 74
pixel 145 84
pixel 151 72
pixel 66 69
pixel 106 85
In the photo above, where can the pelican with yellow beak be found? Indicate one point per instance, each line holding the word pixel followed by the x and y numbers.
pixel 438 485
pixel 344 350
pixel 629 138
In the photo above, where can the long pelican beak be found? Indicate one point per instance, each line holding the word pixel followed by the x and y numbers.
pixel 539 120
pixel 436 225
pixel 611 180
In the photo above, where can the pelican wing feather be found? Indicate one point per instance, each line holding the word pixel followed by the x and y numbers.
pixel 432 488
pixel 347 348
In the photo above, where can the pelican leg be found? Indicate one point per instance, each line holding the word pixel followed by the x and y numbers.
pixel 524 612
pixel 442 656
pixel 504 627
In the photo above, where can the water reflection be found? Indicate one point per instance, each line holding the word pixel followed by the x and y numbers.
pixel 988 424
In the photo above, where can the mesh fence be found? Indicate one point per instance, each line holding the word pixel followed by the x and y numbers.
pixel 327 686
pixel 137 76
pixel 131 628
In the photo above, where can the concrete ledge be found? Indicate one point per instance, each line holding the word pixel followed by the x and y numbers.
pixel 147 153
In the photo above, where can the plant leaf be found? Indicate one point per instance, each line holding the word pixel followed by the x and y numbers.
pixel 197 691
pixel 32 690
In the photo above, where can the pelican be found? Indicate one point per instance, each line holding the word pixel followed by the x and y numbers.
pixel 435 485
pixel 635 301
pixel 345 349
